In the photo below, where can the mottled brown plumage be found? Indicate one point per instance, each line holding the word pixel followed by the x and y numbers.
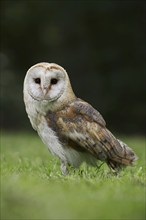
pixel 81 118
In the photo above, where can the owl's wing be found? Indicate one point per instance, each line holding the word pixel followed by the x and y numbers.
pixel 83 108
pixel 83 128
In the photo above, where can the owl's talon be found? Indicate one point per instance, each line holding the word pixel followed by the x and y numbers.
pixel 64 168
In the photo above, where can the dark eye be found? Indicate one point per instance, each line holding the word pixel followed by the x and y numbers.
pixel 37 80
pixel 54 81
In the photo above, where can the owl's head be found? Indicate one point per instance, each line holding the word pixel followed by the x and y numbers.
pixel 47 81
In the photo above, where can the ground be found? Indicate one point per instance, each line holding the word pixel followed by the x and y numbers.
pixel 32 186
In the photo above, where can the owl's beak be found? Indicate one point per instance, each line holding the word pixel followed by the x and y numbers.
pixel 45 91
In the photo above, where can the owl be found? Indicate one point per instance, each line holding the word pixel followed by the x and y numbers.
pixel 71 128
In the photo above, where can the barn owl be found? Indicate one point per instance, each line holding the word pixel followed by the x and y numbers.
pixel 71 128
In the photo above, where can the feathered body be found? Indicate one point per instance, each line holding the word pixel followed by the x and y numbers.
pixel 70 127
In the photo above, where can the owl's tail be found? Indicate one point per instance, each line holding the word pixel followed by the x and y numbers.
pixel 126 156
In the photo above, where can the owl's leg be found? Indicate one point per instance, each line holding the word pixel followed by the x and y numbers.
pixel 63 168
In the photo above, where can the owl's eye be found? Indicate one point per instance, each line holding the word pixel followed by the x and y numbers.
pixel 54 81
pixel 37 80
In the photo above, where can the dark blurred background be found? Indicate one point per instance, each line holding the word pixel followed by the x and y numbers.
pixel 101 44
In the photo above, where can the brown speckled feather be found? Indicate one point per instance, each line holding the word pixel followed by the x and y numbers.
pixel 81 127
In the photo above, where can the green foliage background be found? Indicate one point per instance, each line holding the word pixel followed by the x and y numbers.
pixel 100 43
pixel 32 186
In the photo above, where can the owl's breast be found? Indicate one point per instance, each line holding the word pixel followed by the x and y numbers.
pixel 50 139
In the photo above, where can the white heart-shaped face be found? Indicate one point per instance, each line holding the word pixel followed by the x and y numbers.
pixel 45 81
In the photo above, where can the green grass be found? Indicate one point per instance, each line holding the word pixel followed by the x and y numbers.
pixel 32 186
